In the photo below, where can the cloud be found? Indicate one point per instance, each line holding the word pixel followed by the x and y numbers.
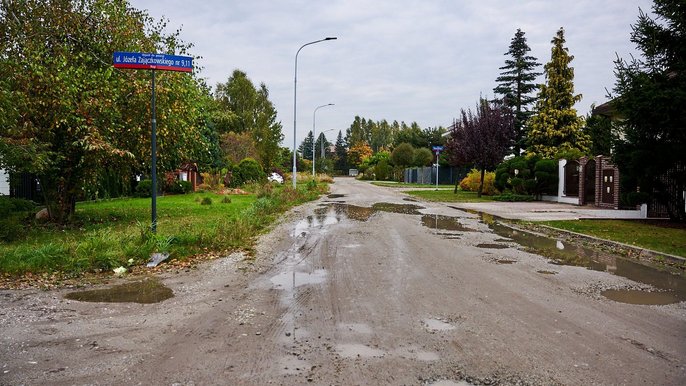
pixel 397 60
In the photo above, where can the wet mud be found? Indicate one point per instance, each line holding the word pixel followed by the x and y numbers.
pixel 145 292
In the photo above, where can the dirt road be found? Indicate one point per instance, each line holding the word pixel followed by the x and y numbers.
pixel 342 293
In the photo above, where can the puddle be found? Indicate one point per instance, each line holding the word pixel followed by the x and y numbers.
pixel 543 272
pixel 293 279
pixel 641 297
pixel 357 350
pixel 446 223
pixel 561 253
pixel 335 195
pixel 437 325
pixel 410 199
pixel 397 208
pixel 492 246
pixel 505 261
pixel 145 292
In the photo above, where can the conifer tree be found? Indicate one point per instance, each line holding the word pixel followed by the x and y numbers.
pixel 516 84
pixel 556 127
pixel 341 153
pixel 305 148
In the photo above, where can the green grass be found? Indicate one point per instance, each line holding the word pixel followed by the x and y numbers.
pixel 107 234
pixel 638 233
pixel 449 196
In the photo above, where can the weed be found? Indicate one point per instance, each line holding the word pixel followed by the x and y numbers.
pixel 226 200
pixel 206 201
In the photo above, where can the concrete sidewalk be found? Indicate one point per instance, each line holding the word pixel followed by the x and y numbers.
pixel 545 211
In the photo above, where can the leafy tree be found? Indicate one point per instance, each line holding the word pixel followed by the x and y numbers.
pixel 356 132
pixel 237 146
pixel 305 148
pixel 651 95
pixel 243 108
pixel 422 157
pixel 516 83
pixel 556 126
pixel 68 115
pixel 482 138
pixel 358 153
pixel 403 155
pixel 341 153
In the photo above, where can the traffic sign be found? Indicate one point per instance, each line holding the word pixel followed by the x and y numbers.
pixel 437 148
pixel 148 61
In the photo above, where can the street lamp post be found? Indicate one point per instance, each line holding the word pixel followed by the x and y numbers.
pixel 314 137
pixel 295 99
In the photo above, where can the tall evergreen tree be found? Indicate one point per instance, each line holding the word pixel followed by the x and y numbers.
pixel 516 84
pixel 341 153
pixel 305 148
pixel 556 127
pixel 651 95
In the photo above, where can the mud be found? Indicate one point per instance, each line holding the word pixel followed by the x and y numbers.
pixel 349 294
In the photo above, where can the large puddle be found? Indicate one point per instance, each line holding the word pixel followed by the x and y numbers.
pixel 145 291
pixel 446 223
pixel 672 287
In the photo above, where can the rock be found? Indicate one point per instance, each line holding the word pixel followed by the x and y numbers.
pixel 43 215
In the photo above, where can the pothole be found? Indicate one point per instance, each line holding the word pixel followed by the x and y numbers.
pixel 144 291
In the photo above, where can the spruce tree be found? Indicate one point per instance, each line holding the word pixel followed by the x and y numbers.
pixel 555 127
pixel 305 147
pixel 341 153
pixel 516 84
pixel 650 99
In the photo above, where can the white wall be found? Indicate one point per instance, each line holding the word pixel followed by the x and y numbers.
pixel 4 184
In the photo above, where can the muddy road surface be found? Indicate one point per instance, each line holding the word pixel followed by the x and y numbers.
pixel 363 287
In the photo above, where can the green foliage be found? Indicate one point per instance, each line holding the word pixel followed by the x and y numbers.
pixel 516 83
pixel 403 155
pixel 556 126
pixel 72 113
pixel 206 201
pixel 143 189
pixel 14 213
pixel 472 182
pixel 527 176
pixel 650 99
pixel 382 170
pixel 249 170
pixel 178 187
pixel 511 197
pixel 422 157
pixel 600 130
pixel 305 148
pixel 226 200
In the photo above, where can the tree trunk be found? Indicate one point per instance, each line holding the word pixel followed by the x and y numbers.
pixel 60 198
pixel 481 183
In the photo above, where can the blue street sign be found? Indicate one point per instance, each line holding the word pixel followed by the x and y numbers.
pixel 437 148
pixel 147 61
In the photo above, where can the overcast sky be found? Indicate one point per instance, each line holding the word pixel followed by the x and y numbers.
pixel 401 60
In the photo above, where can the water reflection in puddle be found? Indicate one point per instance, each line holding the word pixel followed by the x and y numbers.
pixel 492 246
pixel 397 208
pixel 569 254
pixel 446 223
pixel 290 280
pixel 437 325
pixel 641 297
pixel 335 195
pixel 145 292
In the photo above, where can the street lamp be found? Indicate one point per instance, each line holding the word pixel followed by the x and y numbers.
pixel 314 137
pixel 295 99
pixel 322 153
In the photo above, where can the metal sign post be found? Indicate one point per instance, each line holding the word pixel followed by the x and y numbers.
pixel 152 62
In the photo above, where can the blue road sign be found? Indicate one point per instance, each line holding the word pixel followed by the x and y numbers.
pixel 437 148
pixel 147 61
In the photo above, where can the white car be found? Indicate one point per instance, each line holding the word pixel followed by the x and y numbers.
pixel 275 177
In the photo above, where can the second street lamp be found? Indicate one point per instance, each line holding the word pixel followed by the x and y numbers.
pixel 314 137
pixel 295 110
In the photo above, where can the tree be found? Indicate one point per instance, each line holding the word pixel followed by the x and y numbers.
pixel 403 155
pixel 243 108
pixel 237 146
pixel 341 153
pixel 600 131
pixel 516 83
pixel 71 115
pixel 650 99
pixel 422 157
pixel 358 153
pixel 556 127
pixel 305 148
pixel 481 138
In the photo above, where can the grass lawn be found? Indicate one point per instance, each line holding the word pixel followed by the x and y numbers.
pixel 449 196
pixel 111 233
pixel 655 235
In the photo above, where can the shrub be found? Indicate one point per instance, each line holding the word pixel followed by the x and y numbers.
pixel 248 170
pixel 206 201
pixel 513 197
pixel 473 180
pixel 637 198
pixel 143 189
pixel 382 170
pixel 179 187
pixel 226 200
